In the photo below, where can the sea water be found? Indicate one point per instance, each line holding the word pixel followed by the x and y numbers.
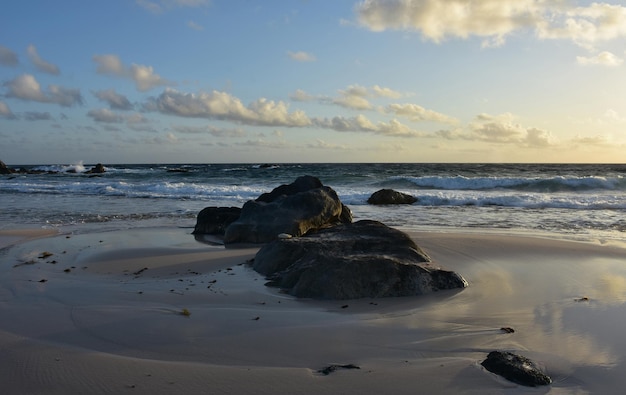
pixel 577 201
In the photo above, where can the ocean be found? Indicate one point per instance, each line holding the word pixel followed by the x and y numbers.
pixel 585 202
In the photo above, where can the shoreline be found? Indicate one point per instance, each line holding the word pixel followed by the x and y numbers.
pixel 114 322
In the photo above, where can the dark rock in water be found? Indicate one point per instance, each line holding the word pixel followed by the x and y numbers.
pixel 389 196
pixel 215 220
pixel 515 368
pixel 294 209
pixel 97 169
pixel 301 184
pixel 348 261
pixel 4 169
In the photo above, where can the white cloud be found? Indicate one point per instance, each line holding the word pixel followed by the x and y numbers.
pixel 300 95
pixel 604 58
pixel 159 6
pixel 223 106
pixel 323 145
pixel 114 99
pixel 37 116
pixel 301 56
pixel 494 20
pixel 597 140
pixel 354 97
pixel 195 26
pixel 437 20
pixel 502 129
pixel 586 25
pixel 361 124
pixel 8 57
pixel 5 111
pixel 26 87
pixel 386 92
pixel 212 130
pixel 41 64
pixel 143 76
pixel 418 113
pixel 105 115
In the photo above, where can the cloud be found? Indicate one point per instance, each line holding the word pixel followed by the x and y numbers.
pixel 598 140
pixel 26 87
pixel 6 112
pixel 437 20
pixel 323 145
pixel 8 57
pixel 386 92
pixel 41 64
pixel 301 56
pixel 193 25
pixel 114 99
pixel 418 113
pixel 37 116
pixel 586 25
pixel 212 130
pixel 493 20
pixel 105 115
pixel 354 97
pixel 260 143
pixel 361 124
pixel 159 6
pixel 501 129
pixel 143 76
pixel 223 106
pixel 604 58
pixel 300 95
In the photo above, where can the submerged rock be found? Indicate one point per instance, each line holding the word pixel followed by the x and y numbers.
pixel 4 169
pixel 348 261
pixel 515 368
pixel 389 196
pixel 97 169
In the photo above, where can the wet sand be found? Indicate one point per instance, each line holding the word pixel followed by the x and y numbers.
pixel 107 313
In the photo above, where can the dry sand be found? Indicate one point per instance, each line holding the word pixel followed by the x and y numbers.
pixel 103 314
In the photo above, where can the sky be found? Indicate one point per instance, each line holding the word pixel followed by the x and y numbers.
pixel 284 81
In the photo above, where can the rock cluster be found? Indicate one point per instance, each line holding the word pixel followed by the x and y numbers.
pixel 313 250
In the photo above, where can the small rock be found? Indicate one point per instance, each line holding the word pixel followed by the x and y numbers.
pixel 515 368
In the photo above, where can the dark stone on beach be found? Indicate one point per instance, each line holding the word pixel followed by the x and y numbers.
pixel 294 209
pixel 97 169
pixel 4 169
pixel 215 220
pixel 331 368
pixel 389 196
pixel 515 368
pixel 349 261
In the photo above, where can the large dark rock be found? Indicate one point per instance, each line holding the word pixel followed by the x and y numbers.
pixel 294 209
pixel 4 169
pixel 215 220
pixel 389 196
pixel 301 184
pixel 348 261
pixel 515 368
pixel 97 169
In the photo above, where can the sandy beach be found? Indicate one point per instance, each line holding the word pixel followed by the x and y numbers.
pixel 153 311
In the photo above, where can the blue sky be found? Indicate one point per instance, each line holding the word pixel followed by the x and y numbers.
pixel 171 81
